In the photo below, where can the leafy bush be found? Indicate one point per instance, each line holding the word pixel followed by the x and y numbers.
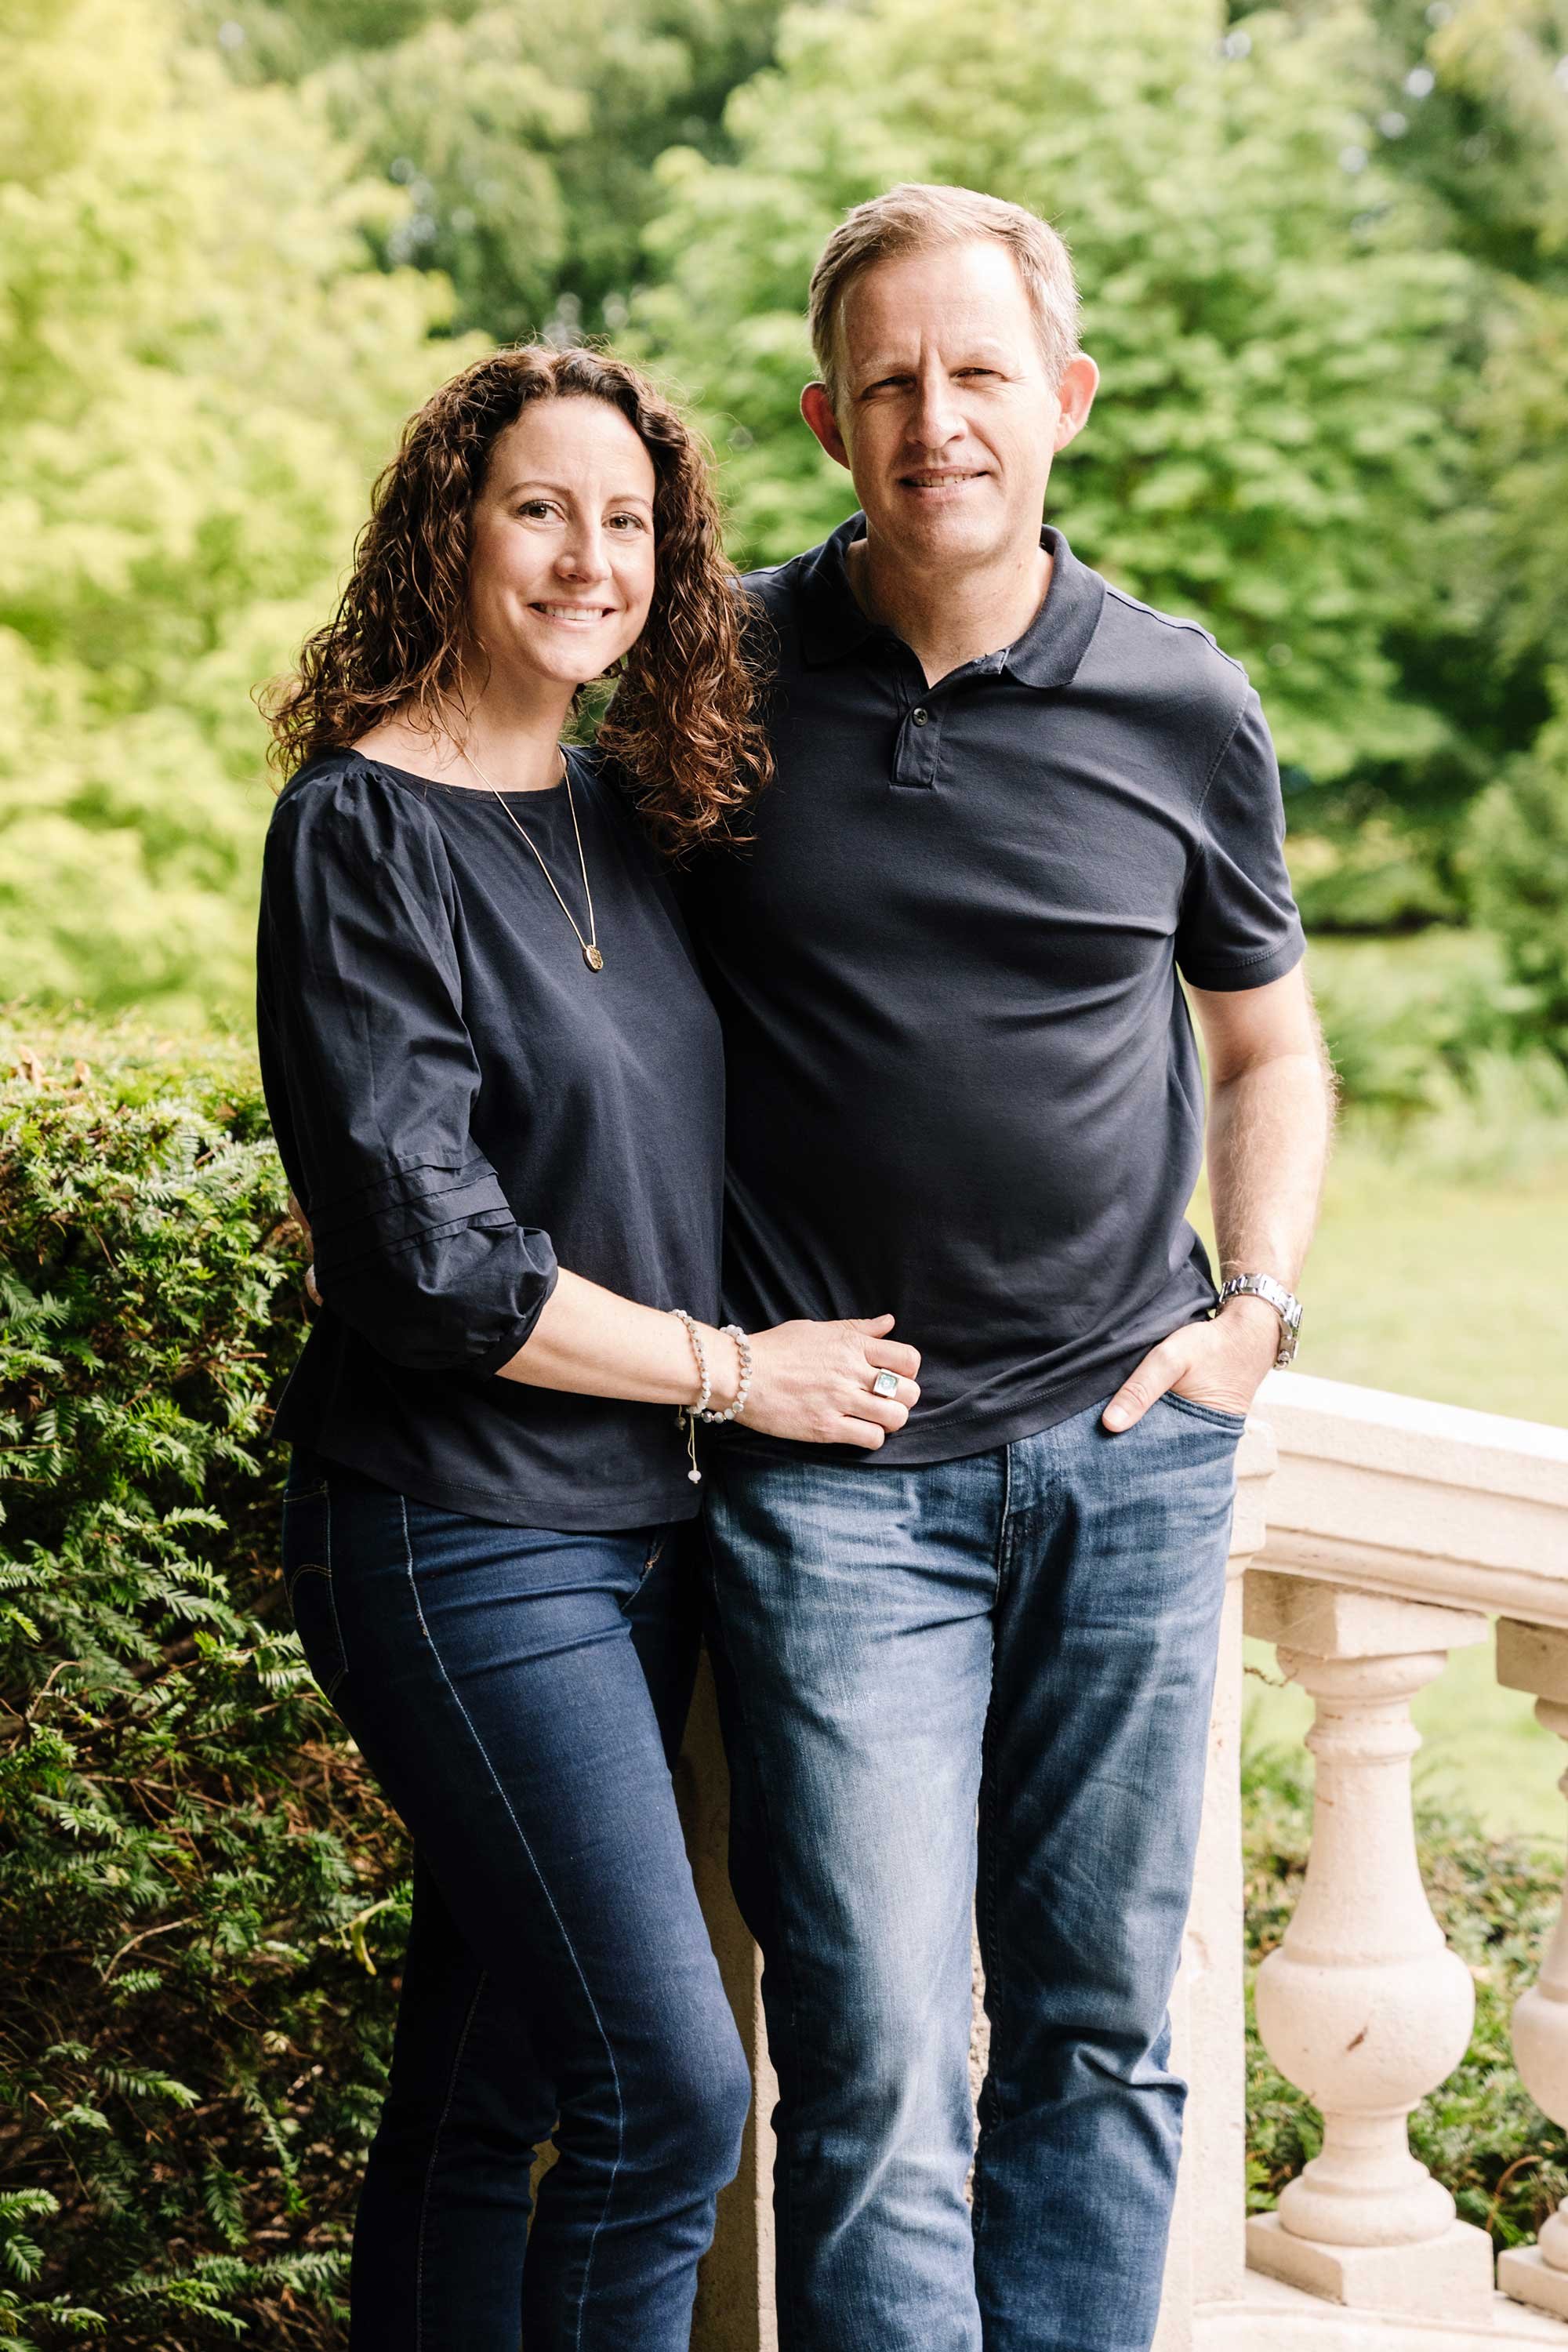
pixel 1496 1899
pixel 197 1880
pixel 1518 859
pixel 1440 1063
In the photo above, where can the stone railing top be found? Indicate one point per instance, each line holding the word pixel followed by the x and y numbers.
pixel 1430 1502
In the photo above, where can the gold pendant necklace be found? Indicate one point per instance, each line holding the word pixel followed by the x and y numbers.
pixel 590 945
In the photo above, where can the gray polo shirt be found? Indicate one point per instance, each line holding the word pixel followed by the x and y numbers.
pixel 963 1084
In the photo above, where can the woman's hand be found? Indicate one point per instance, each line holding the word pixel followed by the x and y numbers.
pixel 303 1222
pixel 812 1380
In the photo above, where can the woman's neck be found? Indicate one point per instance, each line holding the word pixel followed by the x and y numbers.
pixel 507 736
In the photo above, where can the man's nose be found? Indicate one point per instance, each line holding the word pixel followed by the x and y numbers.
pixel 936 418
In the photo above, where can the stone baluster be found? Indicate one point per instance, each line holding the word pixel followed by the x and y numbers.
pixel 1362 2006
pixel 1536 1658
pixel 1205 2267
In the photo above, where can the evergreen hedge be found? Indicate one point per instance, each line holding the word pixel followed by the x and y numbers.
pixel 203 1902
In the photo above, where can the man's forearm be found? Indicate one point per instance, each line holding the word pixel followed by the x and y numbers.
pixel 1268 1128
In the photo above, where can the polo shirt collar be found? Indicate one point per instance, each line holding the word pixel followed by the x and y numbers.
pixel 833 624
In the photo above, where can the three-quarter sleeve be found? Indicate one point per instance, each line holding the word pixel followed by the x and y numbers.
pixel 1238 926
pixel 371 1078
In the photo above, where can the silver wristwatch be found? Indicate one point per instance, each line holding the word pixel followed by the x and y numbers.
pixel 1285 1303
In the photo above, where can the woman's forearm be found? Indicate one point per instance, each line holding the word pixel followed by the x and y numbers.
pixel 596 1343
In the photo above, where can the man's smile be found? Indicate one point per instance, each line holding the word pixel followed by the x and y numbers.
pixel 942 477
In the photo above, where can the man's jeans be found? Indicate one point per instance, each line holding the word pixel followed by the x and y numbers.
pixel 519 1695
pixel 1027 1638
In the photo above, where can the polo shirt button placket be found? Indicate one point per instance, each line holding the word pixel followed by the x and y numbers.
pixel 919 747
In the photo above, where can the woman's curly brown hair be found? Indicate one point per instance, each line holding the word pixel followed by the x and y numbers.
pixel 684 719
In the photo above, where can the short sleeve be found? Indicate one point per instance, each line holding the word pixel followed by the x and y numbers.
pixel 370 1079
pixel 1238 926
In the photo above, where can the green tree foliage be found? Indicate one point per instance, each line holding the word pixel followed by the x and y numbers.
pixel 1519 851
pixel 1276 329
pixel 525 132
pixel 199 371
pixel 198 1881
pixel 1507 61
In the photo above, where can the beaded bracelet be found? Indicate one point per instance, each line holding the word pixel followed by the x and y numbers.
pixel 687 1413
pixel 701 1352
pixel 743 1351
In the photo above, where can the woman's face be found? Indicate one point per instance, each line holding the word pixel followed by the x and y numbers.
pixel 561 566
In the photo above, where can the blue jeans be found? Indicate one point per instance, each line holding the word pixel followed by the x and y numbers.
pixel 982 1682
pixel 519 1695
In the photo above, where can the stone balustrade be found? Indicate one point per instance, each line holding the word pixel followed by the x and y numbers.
pixel 1373 1535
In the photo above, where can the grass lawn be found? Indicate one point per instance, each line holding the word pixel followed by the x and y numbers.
pixel 1442 1289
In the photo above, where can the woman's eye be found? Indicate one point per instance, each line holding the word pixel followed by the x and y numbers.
pixel 536 506
pixel 632 522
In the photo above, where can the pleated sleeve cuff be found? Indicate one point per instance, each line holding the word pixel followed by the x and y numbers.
pixel 431 1266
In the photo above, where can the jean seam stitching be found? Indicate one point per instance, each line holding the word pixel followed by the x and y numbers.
pixel 1204 1412
pixel 332 1598
pixel 987 1890
pixel 434 2154
pixel 560 1923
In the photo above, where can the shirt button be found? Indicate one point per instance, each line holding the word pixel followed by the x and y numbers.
pixel 920 717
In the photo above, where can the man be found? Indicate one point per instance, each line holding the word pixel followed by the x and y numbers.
pixel 1011 805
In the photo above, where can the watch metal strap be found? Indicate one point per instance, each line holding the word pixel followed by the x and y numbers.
pixel 1285 1303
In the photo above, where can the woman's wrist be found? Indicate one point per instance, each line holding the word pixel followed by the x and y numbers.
pixel 724 1366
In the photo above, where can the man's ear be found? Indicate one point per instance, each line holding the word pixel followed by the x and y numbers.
pixel 1076 393
pixel 817 411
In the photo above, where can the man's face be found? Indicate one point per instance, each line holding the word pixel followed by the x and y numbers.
pixel 946 417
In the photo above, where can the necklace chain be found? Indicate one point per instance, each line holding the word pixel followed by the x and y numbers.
pixel 591 954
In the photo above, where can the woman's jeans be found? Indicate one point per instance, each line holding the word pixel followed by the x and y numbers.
pixel 1024 1640
pixel 519 1695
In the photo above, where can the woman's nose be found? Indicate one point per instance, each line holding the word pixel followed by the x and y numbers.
pixel 582 557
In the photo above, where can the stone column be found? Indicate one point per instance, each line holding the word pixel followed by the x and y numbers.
pixel 1205 2267
pixel 735 2282
pixel 1536 1658
pixel 1364 2007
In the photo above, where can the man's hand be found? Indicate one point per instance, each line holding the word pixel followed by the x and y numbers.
pixel 1220 1362
pixel 1270 1104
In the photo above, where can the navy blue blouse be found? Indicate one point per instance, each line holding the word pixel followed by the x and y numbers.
pixel 461 1105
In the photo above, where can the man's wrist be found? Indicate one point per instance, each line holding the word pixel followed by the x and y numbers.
pixel 1243 1307
pixel 1247 1292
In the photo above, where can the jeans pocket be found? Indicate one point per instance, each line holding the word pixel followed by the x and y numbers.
pixel 651 1544
pixel 308 1582
pixel 1216 1415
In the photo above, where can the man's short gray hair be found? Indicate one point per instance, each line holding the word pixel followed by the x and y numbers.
pixel 912 217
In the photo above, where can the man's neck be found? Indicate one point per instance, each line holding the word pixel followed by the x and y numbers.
pixel 949 619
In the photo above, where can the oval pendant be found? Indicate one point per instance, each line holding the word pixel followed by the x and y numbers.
pixel 592 959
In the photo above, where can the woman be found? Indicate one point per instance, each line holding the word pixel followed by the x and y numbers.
pixel 496 1089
